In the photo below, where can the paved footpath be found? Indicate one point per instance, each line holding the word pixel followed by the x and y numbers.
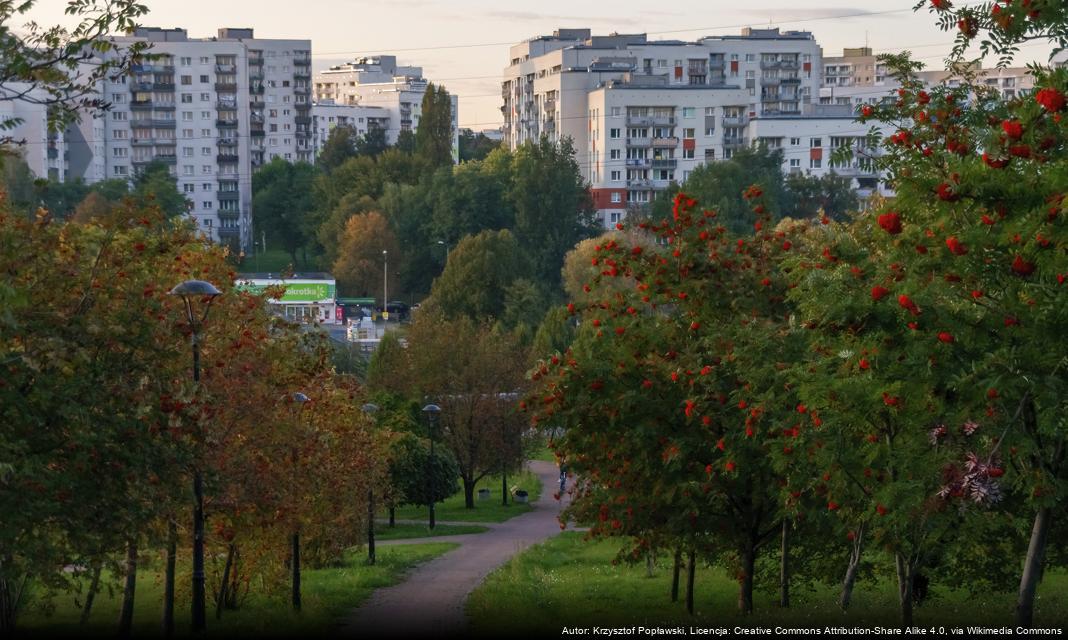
pixel 431 600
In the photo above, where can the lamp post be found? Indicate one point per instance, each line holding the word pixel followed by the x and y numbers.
pixel 446 245
pixel 385 289
pixel 302 400
pixel 188 291
pixel 370 409
pixel 432 412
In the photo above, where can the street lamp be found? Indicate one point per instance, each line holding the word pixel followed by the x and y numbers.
pixel 302 400
pixel 433 412
pixel 206 292
pixel 370 409
pixel 446 245
pixel 385 290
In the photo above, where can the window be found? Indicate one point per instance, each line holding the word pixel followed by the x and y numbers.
pixel 187 80
pixel 119 98
pixel 187 116
pixel 613 133
pixel 119 134
pixel 187 152
pixel 734 57
pixel 688 133
pixel 187 98
pixel 795 163
pixel 617 176
pixel 185 61
pixel 274 113
pixel 710 111
pixel 750 57
pixel 687 154
pixel 205 133
pixel 118 115
pixel 710 131
pixel 661 63
pixel 207 222
pixel 187 169
pixel 273 128
pixel 816 142
pixel 207 186
pixel 688 112
pixel 205 60
pixel 205 97
pixel 206 169
pixel 613 154
pixel 205 151
pixel 120 152
pixel 206 205
pixel 795 141
pixel 205 79
pixel 188 187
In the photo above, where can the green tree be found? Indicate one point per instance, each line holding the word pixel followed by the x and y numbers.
pixel 360 266
pixel 339 147
pixel 17 183
pixel 476 146
pixel 552 205
pixel 433 137
pixel 405 143
pixel 417 478
pixel 154 185
pixel 372 143
pixel 282 200
pixel 806 196
pixel 718 186
pixel 478 276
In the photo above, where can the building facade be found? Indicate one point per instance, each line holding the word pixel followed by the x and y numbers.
pixel 327 116
pixel 43 150
pixel 379 82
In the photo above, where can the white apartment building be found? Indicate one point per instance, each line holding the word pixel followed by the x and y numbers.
pixel 212 109
pixel 379 82
pixel 624 99
pixel 326 116
pixel 43 151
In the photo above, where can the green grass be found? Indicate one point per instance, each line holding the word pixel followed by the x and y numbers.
pixel 452 508
pixel 405 531
pixel 327 595
pixel 568 581
pixel 274 261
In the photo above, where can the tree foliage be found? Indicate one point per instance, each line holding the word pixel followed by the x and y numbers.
pixel 282 200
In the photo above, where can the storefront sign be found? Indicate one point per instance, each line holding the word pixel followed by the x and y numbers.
pixel 295 291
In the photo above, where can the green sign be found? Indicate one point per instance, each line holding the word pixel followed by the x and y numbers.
pixel 295 291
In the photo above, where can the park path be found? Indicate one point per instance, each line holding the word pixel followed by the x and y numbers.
pixel 431 599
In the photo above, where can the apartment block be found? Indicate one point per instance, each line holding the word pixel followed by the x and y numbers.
pixel 643 113
pixel 44 151
pixel 378 81
pixel 326 116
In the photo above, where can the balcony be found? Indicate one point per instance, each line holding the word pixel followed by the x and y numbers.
pixel 163 86
pixel 140 105
pixel 149 123
pixel 641 163
pixel 229 196
pixel 302 61
pixel 735 121
pixel 639 121
pixel 640 183
pixel 665 163
pixel 140 86
pixel 734 143
pixel 661 143
pixel 771 82
pixel 152 68
pixel 639 142
pixel 226 142
pixel 663 121
pixel 791 80
pixel 256 133
pixel 256 118
pixel 226 124
pixel 226 86
pixel 226 68
pixel 226 106
pixel 163 159
pixel 227 157
pixel 301 74
pixel 302 120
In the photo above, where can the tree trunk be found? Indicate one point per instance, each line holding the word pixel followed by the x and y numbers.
pixel 94 586
pixel 691 570
pixel 11 589
pixel 675 575
pixel 370 526
pixel 224 584
pixel 129 590
pixel 906 571
pixel 745 580
pixel 852 569
pixel 784 566
pixel 235 582
pixel 1032 572
pixel 650 564
pixel 469 493
pixel 504 488
pixel 392 516
pixel 168 580
pixel 295 562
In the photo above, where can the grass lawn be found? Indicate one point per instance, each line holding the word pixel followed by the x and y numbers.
pixel 567 581
pixel 405 531
pixel 274 261
pixel 452 508
pixel 327 595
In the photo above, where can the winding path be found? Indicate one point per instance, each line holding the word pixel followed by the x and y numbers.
pixel 431 599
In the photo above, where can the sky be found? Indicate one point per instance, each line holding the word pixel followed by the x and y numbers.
pixel 463 44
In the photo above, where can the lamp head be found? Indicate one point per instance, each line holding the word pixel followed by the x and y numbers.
pixel 300 397
pixel 195 288
pixel 432 410
pixel 370 408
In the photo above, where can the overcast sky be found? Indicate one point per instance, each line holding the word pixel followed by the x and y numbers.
pixel 461 43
